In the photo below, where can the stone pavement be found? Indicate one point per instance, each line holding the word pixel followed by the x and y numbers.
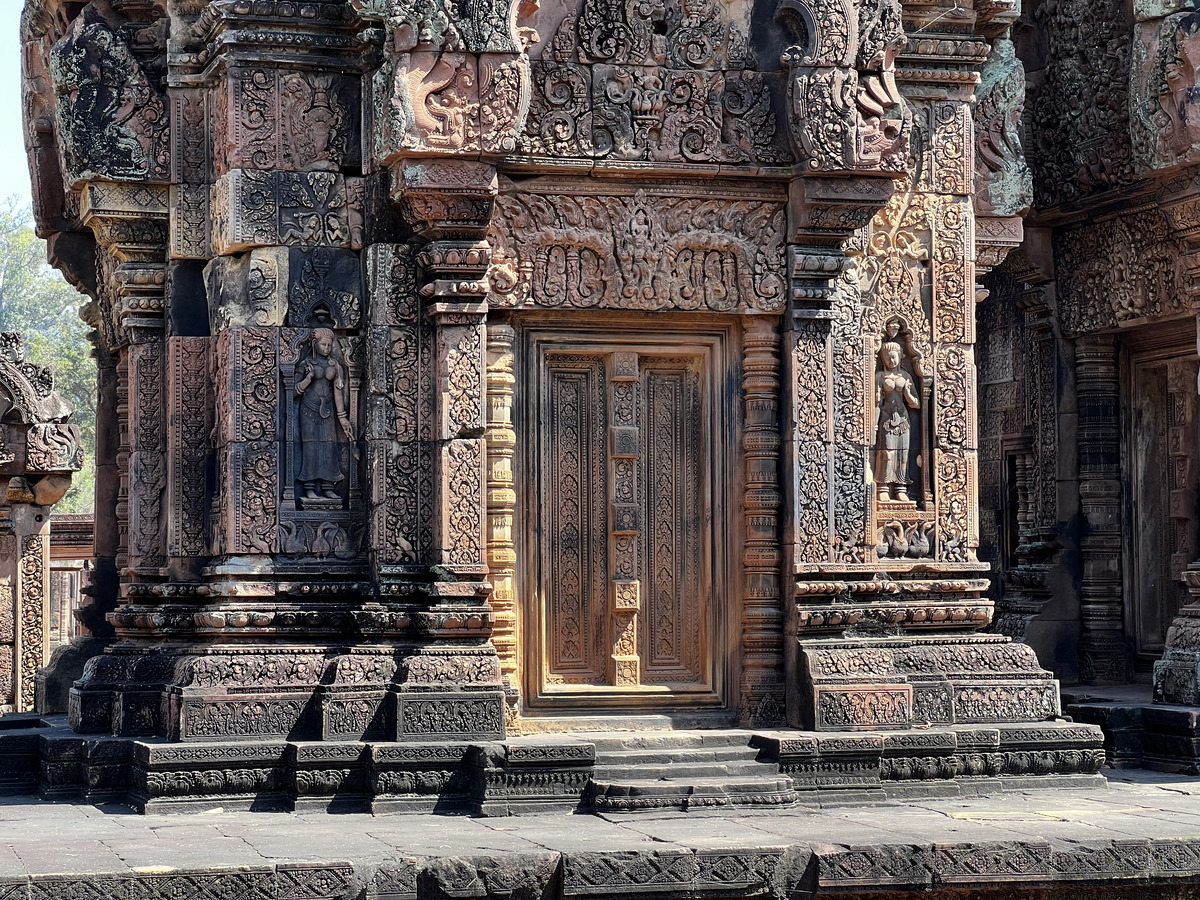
pixel 1140 837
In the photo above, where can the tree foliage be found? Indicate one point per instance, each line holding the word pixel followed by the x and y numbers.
pixel 36 301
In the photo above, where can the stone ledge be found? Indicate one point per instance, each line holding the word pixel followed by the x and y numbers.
pixel 528 776
pixel 1139 840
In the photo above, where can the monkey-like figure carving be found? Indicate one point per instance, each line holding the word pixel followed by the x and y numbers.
pixel 896 395
pixel 321 389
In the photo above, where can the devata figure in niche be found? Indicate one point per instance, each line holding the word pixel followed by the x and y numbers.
pixel 896 391
pixel 322 393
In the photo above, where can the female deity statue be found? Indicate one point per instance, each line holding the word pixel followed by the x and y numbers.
pixel 896 394
pixel 322 389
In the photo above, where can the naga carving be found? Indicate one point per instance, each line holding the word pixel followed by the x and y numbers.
pixel 1003 182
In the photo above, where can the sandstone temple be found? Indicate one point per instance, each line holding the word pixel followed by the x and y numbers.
pixel 490 390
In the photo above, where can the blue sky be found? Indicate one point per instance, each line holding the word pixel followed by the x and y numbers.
pixel 14 170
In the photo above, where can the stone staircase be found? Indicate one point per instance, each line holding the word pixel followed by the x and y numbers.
pixel 683 770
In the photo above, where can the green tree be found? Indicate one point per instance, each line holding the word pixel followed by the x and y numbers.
pixel 37 301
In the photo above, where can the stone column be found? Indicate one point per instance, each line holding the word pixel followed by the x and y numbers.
pixel 502 502
pixel 1102 651
pixel 24 596
pixel 762 616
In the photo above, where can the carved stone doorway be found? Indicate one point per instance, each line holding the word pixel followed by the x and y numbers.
pixel 629 478
pixel 1162 483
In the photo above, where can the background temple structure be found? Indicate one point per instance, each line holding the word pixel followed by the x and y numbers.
pixel 481 382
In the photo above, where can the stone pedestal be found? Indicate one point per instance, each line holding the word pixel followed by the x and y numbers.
pixel 1177 674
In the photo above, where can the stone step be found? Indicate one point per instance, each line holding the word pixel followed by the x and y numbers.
pixel 680 771
pixel 664 756
pixel 667 740
pixel 691 793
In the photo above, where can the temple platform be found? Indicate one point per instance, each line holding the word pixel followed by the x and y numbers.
pixel 617 772
pixel 1138 836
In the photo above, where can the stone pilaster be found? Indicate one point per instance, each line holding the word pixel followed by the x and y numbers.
pixel 449 203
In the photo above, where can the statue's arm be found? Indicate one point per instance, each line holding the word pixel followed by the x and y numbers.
pixel 302 385
pixel 339 403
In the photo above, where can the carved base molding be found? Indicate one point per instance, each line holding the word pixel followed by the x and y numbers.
pixel 306 693
pixel 1162 737
pixel 864 683
pixel 1177 674
pixel 560 773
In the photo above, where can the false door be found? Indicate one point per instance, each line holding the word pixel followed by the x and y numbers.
pixel 1164 478
pixel 625 447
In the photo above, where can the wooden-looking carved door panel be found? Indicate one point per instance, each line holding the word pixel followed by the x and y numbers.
pixel 622 472
pixel 1163 483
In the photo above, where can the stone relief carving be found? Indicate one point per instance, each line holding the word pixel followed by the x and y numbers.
pixel 1164 117
pixel 112 120
pixel 897 403
pixel 1003 183
pixel 1081 149
pixel 1117 270
pixel 652 249
pixel 323 419
pixel 844 110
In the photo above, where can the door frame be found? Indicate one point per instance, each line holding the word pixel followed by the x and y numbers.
pixel 1161 342
pixel 651 335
